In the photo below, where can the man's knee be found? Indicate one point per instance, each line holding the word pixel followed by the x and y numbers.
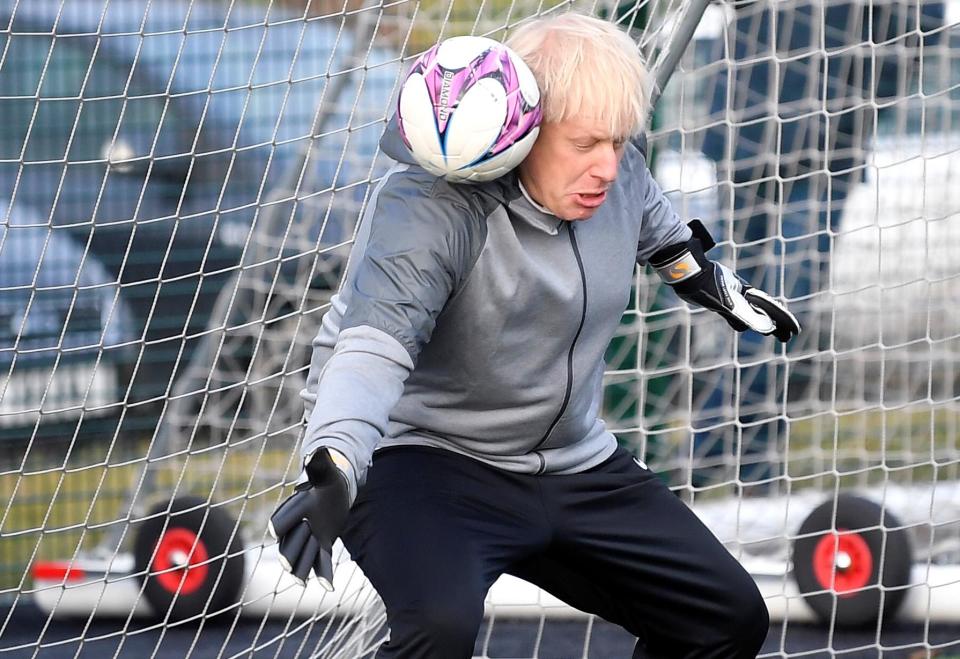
pixel 434 630
pixel 737 627
pixel 748 621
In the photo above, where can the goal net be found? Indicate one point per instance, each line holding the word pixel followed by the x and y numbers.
pixel 180 183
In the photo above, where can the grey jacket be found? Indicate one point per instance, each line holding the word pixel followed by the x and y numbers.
pixel 471 321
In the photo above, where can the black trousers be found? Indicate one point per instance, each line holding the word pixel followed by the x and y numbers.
pixel 433 530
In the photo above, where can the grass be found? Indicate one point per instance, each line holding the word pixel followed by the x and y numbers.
pixel 61 504
pixel 55 509
pixel 911 444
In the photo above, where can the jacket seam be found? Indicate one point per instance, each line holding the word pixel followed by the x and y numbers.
pixel 475 257
pixel 393 333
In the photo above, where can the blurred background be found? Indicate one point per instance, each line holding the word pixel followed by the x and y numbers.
pixel 180 182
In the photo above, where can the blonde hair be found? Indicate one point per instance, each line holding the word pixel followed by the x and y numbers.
pixel 586 67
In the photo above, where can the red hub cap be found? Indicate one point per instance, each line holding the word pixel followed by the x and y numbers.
pixel 842 562
pixel 178 554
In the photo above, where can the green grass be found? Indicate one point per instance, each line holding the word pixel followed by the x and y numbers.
pixel 53 511
pixel 54 506
pixel 909 445
pixel 914 444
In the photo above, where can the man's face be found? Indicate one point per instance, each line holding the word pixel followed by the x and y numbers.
pixel 570 167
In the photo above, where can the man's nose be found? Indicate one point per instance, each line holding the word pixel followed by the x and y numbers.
pixel 607 162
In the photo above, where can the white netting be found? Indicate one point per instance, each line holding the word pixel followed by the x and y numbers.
pixel 180 182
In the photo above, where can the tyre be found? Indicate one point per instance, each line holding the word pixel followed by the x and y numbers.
pixel 854 570
pixel 191 559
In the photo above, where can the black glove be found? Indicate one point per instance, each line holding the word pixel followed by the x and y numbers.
pixel 311 518
pixel 714 286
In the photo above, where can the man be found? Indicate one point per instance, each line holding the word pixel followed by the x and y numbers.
pixel 799 95
pixel 466 348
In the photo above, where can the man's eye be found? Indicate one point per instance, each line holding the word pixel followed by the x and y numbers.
pixel 582 146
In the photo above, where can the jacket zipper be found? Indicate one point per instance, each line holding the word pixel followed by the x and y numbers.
pixel 573 344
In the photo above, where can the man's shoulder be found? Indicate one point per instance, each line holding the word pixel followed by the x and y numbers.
pixel 414 205
pixel 635 153
pixel 423 194
pixel 634 174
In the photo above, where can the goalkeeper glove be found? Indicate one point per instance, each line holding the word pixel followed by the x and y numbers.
pixel 311 518
pixel 714 286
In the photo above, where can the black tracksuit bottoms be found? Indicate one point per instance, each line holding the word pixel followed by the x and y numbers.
pixel 433 530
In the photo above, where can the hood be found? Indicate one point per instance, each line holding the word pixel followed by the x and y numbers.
pixel 502 190
pixel 392 144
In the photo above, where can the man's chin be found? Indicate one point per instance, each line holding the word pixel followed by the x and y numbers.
pixel 579 214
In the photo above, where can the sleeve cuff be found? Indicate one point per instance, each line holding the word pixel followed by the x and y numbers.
pixel 679 269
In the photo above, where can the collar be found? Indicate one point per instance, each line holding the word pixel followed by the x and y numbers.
pixel 525 208
pixel 542 209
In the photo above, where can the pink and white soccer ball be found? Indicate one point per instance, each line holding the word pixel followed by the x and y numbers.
pixel 469 110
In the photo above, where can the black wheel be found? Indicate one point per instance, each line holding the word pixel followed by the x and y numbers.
pixel 842 569
pixel 182 555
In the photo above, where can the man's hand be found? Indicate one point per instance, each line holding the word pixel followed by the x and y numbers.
pixel 311 518
pixel 714 286
pixel 743 306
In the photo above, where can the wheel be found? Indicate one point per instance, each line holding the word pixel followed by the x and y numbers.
pixel 842 568
pixel 181 557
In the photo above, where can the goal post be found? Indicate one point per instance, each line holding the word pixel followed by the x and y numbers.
pixel 180 183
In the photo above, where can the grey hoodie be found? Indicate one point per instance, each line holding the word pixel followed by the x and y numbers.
pixel 470 320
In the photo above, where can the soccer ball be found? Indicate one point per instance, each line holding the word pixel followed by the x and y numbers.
pixel 469 110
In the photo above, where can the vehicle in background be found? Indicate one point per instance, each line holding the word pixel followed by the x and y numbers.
pixel 890 313
pixel 139 146
pixel 896 261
